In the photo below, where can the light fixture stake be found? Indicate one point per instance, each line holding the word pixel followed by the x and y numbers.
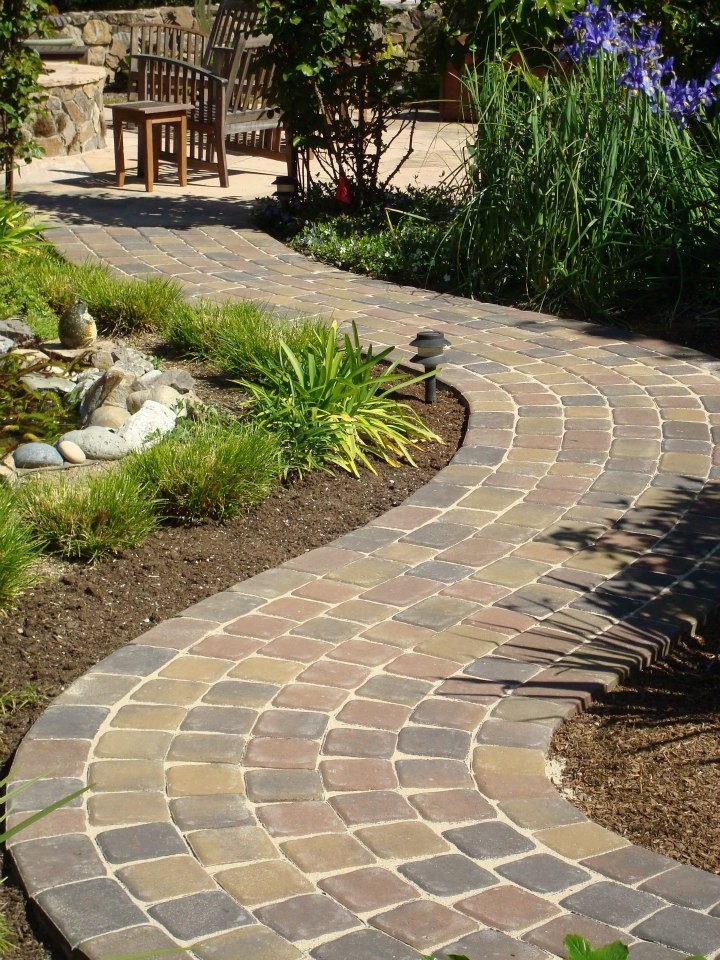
pixel 430 345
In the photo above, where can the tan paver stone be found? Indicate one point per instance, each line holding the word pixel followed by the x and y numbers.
pixel 254 941
pixel 323 560
pixel 164 878
pixel 363 611
pixel 135 717
pixel 195 668
pixel 344 775
pixel 463 644
pixel 406 553
pixel 397 634
pixel 531 455
pixel 177 692
pixel 127 745
pixel 225 647
pixel 372 806
pixel 132 940
pixel 178 633
pixel 308 696
pixel 551 935
pixel 294 648
pixel 273 583
pixel 688 464
pixel 328 591
pixel 294 608
pixel 508 908
pixel 423 924
pixel 402 841
pixel 263 882
pixel 324 853
pixel 120 775
pixel 267 670
pixel 283 753
pixel 257 626
pixel 201 779
pixel 368 572
pixel 579 840
pixel 513 571
pixel 122 808
pixel 474 590
pixel 422 667
pixel 491 499
pixel 220 846
pixel 518 760
pixel 598 560
pixel 372 713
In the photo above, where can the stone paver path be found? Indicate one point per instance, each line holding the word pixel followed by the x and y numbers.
pixel 344 758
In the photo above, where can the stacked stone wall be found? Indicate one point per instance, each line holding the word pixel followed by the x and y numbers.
pixel 106 33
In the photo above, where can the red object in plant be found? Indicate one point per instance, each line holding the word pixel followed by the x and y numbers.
pixel 342 193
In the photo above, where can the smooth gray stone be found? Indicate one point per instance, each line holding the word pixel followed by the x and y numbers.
pixel 16 330
pixel 99 443
pixel 37 382
pixel 30 455
pixel 6 344
pixel 151 421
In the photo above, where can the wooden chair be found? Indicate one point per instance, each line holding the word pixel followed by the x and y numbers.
pixel 164 40
pixel 232 108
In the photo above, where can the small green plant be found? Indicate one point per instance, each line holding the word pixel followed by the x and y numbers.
pixel 26 695
pixel 19 233
pixel 27 414
pixel 19 553
pixel 89 517
pixel 578 948
pixel 212 469
pixel 332 406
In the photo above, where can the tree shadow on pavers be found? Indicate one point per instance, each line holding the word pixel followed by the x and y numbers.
pixel 101 206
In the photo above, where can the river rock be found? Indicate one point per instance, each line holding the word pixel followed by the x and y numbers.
pixel 99 443
pixel 27 357
pixel 6 474
pixel 34 381
pixel 147 426
pixel 131 361
pixel 136 398
pixel 108 416
pixel 32 455
pixel 70 452
pixel 76 327
pixel 16 330
pixel 149 379
pixel 111 388
pixel 102 359
pixel 6 344
pixel 167 396
pixel 181 380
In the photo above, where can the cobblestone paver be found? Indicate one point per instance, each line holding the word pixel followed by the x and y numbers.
pixel 344 758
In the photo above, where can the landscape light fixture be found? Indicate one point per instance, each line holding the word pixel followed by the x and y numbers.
pixel 285 190
pixel 430 345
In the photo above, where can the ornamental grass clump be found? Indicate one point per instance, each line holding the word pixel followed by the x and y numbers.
pixel 215 469
pixel 332 406
pixel 19 553
pixel 87 518
pixel 586 199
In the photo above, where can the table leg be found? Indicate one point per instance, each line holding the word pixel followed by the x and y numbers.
pixel 119 151
pixel 148 154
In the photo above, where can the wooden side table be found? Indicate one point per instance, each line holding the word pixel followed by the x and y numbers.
pixel 149 116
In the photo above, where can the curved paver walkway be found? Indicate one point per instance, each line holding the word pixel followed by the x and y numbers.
pixel 343 758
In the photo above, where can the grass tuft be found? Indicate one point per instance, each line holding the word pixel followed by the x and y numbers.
pixel 19 553
pixel 88 517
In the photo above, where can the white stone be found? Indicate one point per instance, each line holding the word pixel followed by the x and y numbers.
pixel 147 426
pixel 137 398
pixel 167 396
pixel 109 416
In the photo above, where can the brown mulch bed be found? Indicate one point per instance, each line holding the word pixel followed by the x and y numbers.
pixel 645 762
pixel 67 624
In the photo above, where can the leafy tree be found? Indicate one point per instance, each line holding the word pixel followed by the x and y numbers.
pixel 19 91
pixel 338 80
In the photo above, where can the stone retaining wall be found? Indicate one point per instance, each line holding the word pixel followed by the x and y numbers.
pixel 106 33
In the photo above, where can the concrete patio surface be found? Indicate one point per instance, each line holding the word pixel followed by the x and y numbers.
pixel 344 758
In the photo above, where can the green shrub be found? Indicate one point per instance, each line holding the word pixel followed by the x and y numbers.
pixel 212 469
pixel 331 406
pixel 19 233
pixel 19 553
pixel 88 517
pixel 584 199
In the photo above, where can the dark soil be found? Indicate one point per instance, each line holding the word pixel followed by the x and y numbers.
pixel 645 761
pixel 81 614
